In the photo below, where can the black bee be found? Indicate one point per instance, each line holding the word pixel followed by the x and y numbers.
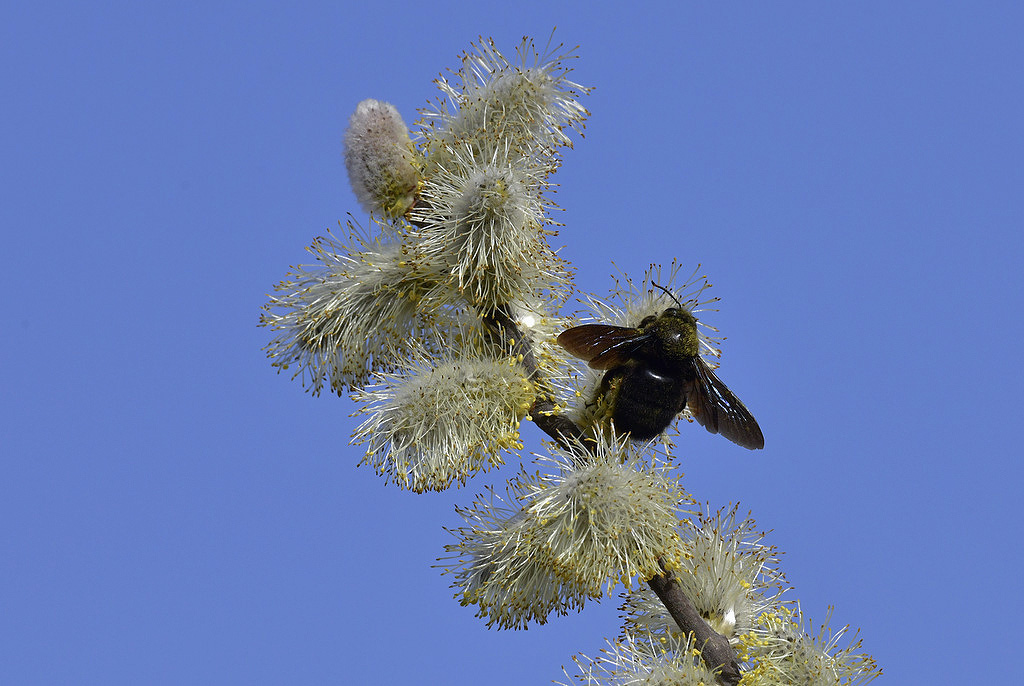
pixel 660 372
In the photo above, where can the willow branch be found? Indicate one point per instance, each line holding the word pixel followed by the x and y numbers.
pixel 544 412
pixel 714 648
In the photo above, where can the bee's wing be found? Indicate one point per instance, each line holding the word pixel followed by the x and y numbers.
pixel 718 410
pixel 603 346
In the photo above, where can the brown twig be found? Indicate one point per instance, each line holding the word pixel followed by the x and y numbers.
pixel 544 414
pixel 714 648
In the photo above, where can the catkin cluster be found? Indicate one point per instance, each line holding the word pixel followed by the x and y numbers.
pixel 441 321
pixel 403 315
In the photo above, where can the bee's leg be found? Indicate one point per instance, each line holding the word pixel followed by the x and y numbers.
pixel 682 403
pixel 607 383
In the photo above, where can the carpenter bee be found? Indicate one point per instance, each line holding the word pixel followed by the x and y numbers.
pixel 660 372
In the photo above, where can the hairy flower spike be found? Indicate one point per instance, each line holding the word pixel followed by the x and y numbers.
pixel 499 566
pixel 588 524
pixel 607 517
pixel 538 95
pixel 383 165
pixel 484 221
pixel 355 312
pixel 781 651
pixel 637 661
pixel 731 577
pixel 528 104
pixel 729 573
pixel 430 427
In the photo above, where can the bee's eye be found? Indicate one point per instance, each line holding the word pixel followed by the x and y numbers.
pixel 647 320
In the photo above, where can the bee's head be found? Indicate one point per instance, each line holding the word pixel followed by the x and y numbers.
pixel 680 313
pixel 673 334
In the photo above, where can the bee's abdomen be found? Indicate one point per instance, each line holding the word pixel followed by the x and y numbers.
pixel 647 402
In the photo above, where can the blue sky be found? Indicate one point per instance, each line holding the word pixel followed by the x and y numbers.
pixel 849 175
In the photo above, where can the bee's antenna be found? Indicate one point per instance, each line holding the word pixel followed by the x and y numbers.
pixel 670 293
